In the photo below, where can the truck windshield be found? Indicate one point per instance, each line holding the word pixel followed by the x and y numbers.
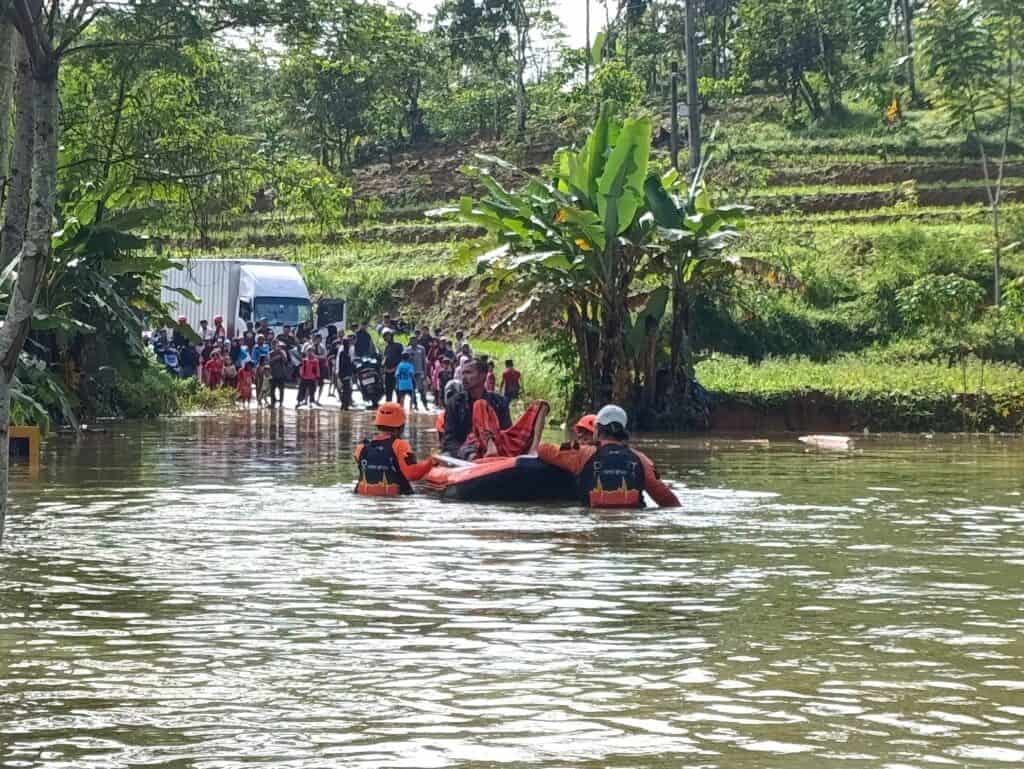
pixel 280 311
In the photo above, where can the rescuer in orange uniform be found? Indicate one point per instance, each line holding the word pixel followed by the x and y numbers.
pixel 386 463
pixel 610 474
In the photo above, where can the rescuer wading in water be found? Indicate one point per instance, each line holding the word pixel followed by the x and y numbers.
pixel 386 463
pixel 610 474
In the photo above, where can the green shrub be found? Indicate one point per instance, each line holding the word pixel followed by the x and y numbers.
pixel 155 392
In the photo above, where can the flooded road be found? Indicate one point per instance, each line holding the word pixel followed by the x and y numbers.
pixel 207 593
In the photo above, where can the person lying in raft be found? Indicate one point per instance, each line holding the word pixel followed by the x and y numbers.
pixel 386 463
pixel 609 474
pixel 477 423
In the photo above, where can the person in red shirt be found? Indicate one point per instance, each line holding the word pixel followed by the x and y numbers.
pixel 610 474
pixel 213 370
pixel 386 463
pixel 244 386
pixel 489 383
pixel 511 382
pixel 309 378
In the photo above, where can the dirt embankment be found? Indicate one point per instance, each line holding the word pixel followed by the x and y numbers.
pixel 433 173
pixel 887 173
pixel 867 201
pixel 455 302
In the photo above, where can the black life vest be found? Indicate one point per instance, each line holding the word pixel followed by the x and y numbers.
pixel 379 474
pixel 614 477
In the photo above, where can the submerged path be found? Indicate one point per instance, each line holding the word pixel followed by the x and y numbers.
pixel 207 593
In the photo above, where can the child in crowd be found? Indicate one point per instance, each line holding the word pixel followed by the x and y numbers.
pixel 386 463
pixel 511 382
pixel 405 380
pixel 309 379
pixel 213 370
pixel 230 367
pixel 489 383
pixel 245 380
pixel 263 382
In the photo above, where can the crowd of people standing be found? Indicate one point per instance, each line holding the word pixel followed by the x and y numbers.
pixel 259 363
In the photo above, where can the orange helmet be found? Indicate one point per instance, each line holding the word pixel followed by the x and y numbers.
pixel 588 423
pixel 390 415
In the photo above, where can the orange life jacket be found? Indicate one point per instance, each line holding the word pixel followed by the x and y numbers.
pixel 379 474
pixel 614 477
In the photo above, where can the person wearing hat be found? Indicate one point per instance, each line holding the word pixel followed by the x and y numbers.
pixel 386 462
pixel 219 332
pixel 610 474
pixel 178 333
pixel 584 433
pixel 392 357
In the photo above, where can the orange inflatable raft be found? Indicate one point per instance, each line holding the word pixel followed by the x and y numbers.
pixel 501 479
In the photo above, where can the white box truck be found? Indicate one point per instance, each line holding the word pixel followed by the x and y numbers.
pixel 239 290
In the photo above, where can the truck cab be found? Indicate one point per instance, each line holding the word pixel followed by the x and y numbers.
pixel 272 291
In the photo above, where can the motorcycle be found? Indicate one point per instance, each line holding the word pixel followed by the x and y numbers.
pixel 369 380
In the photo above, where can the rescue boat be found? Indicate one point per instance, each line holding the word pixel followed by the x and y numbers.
pixel 500 479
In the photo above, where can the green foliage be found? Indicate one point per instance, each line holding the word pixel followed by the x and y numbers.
pixel 611 83
pixel 790 42
pixel 942 302
pixel 961 43
pixel 305 188
pixel 158 127
pixel 151 391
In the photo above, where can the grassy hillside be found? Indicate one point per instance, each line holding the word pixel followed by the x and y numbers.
pixel 853 212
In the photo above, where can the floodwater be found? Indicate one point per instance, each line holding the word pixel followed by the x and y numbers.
pixel 207 593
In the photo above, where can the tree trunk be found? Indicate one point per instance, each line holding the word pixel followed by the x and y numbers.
pixel 16 213
pixel 8 39
pixel 681 360
pixel 522 42
pixel 521 101
pixel 35 251
pixel 907 12
pixel 810 98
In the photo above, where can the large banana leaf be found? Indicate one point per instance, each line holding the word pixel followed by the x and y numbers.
pixel 595 153
pixel 620 188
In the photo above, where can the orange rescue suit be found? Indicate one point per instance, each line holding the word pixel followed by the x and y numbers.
pixel 576 461
pixel 386 467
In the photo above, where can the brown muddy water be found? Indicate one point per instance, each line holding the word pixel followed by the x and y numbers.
pixel 207 593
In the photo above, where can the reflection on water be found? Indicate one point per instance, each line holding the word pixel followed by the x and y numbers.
pixel 207 593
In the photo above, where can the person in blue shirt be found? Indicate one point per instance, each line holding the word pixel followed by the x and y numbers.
pixel 260 349
pixel 405 380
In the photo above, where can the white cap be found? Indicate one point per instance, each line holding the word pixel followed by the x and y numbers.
pixel 611 414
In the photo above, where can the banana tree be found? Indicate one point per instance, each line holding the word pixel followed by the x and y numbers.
pixel 582 238
pixel 693 235
pixel 99 289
